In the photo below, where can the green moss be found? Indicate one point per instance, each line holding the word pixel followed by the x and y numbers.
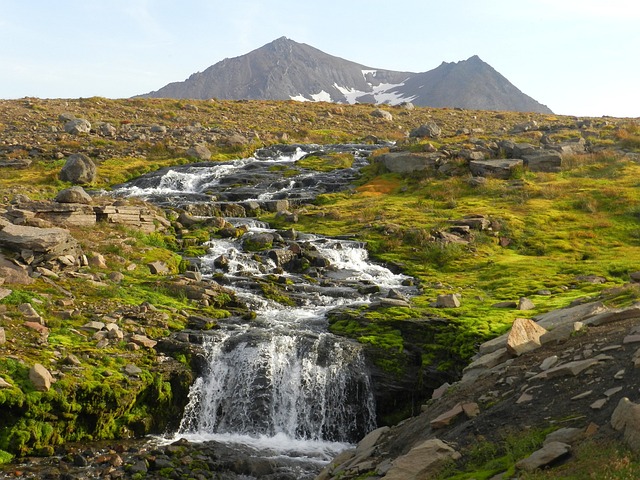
pixel 326 163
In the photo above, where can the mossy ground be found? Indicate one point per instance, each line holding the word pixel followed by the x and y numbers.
pixel 584 220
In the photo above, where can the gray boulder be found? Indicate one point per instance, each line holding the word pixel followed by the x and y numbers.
pixel 406 162
pixel 543 161
pixel 77 126
pixel 428 130
pixel 383 114
pixel 73 195
pixel 500 168
pixel 107 130
pixel 78 169
pixel 201 152
pixel 41 244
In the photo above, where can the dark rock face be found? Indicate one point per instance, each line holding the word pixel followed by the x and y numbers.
pixel 284 69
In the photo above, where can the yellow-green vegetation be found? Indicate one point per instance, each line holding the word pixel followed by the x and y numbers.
pixel 486 459
pixel 326 163
pixel 548 231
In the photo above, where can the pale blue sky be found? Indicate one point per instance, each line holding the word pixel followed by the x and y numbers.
pixel 579 57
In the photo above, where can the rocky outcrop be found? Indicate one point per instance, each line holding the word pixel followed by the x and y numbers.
pixel 49 247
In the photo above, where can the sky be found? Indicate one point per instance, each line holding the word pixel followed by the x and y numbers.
pixel 578 57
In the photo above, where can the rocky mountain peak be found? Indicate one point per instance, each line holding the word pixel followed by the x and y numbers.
pixel 284 70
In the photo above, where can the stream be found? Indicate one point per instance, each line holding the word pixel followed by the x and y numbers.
pixel 280 384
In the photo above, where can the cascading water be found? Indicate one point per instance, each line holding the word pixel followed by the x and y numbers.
pixel 280 379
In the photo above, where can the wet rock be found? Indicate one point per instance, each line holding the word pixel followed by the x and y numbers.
pixel 78 169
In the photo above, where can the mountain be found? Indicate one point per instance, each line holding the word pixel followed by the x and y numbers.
pixel 287 70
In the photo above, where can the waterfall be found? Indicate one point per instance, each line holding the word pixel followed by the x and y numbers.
pixel 280 380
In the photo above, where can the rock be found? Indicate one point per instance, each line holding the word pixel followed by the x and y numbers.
pixel 158 268
pixel 158 129
pixel 38 327
pixel 200 152
pixel 447 417
pixel 116 277
pixel 500 168
pixel 97 260
pixel 143 341
pixel 448 301
pixel 428 130
pixel 524 336
pixel 107 130
pixel 407 162
pixel 76 126
pixel 626 419
pixel 4 383
pixel 613 316
pixel 72 360
pixel 13 274
pixel 93 326
pixel 78 169
pixel 543 161
pixel 40 377
pixel 549 453
pixel 525 304
pixel 525 126
pixel 635 277
pixel 383 114
pixel 74 195
pixel 548 362
pixel 422 461
pixel 440 391
pixel 132 370
pixel 567 316
pixel 29 313
pixel 3 336
pixel 43 244
pixel 4 292
pixel 569 369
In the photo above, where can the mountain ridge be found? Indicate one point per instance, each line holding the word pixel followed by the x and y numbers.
pixel 287 70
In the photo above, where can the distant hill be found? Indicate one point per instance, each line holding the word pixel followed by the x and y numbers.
pixel 285 70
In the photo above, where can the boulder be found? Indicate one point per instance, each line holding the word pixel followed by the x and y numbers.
pixel 78 169
pixel 383 114
pixel 499 168
pixel 427 130
pixel 422 461
pixel 40 377
pixel 543 161
pixel 525 304
pixel 407 162
pixel 524 336
pixel 626 419
pixel 74 195
pixel 449 300
pixel 200 152
pixel 76 126
pixel 13 274
pixel 143 341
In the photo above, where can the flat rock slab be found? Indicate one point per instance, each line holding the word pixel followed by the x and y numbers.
pixel 549 453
